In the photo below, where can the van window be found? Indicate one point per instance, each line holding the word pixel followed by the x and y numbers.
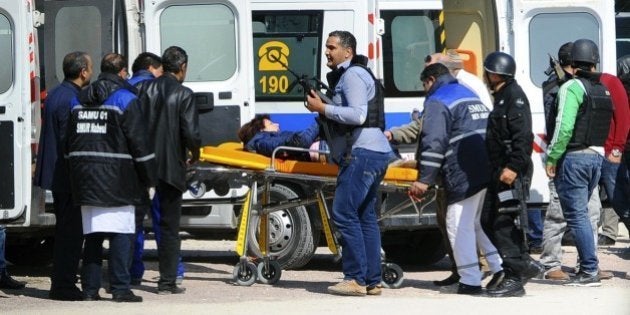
pixel 548 31
pixel 295 39
pixel 622 26
pixel 6 54
pixel 90 42
pixel 208 35
pixel 410 36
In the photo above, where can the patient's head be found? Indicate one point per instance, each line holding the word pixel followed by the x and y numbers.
pixel 257 124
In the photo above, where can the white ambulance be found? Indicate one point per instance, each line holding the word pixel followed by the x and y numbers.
pixel 225 40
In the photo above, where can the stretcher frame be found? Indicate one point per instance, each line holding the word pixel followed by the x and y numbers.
pixel 268 271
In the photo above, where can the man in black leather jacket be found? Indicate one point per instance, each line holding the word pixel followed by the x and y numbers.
pixel 174 130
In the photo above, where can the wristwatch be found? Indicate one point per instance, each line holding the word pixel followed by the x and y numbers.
pixel 615 153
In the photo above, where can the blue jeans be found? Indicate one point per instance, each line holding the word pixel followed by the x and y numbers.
pixel 577 174
pixel 354 214
pixel 621 197
pixel 535 227
pixel 118 262
pixel 137 266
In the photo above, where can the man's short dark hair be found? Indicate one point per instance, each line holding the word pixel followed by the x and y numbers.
pixel 146 60
pixel 173 59
pixel 346 39
pixel 250 129
pixel 74 63
pixel 433 70
pixel 113 63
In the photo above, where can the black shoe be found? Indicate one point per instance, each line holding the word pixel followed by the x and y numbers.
pixel 469 289
pixel 66 295
pixel 6 282
pixel 452 279
pixel 508 287
pixel 534 269
pixel 535 249
pixel 496 279
pixel 135 281
pixel 127 297
pixel 171 290
pixel 604 240
pixel 583 279
pixel 94 297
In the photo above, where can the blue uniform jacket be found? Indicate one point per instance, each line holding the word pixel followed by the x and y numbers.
pixel 50 171
pixel 110 158
pixel 453 140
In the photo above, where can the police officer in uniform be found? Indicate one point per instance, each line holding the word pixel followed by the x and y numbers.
pixel 509 143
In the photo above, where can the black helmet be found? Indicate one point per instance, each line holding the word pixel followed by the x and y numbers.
pixel 564 54
pixel 500 63
pixel 585 50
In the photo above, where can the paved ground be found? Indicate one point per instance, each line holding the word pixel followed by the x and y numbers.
pixel 210 290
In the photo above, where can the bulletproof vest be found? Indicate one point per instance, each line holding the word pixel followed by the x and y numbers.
pixel 376 105
pixel 592 123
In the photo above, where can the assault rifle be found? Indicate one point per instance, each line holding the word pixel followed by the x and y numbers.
pixel 554 66
pixel 514 200
pixel 304 82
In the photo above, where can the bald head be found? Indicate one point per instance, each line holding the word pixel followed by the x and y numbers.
pixel 450 59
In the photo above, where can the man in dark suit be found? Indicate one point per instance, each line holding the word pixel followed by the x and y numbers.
pixel 51 174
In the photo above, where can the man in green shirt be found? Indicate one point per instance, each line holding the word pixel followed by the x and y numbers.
pixel 575 155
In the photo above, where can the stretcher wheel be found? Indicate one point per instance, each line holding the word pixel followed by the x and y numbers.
pixel 245 275
pixel 269 275
pixel 392 275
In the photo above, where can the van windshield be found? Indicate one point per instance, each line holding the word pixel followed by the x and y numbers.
pixel 290 38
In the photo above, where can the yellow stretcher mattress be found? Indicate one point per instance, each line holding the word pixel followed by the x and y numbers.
pixel 232 154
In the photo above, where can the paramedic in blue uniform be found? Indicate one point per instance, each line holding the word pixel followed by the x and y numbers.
pixel 362 153
pixel 453 131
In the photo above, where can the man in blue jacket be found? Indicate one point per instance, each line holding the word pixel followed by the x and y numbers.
pixel 451 147
pixel 51 174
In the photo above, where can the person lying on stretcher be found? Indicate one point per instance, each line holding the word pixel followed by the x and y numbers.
pixel 262 136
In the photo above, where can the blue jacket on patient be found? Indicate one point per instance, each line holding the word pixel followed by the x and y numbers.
pixel 265 142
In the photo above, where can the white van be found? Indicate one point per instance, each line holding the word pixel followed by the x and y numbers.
pixel 225 40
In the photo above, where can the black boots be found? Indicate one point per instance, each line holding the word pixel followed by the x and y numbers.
pixel 510 286
pixel 452 279
pixel 6 282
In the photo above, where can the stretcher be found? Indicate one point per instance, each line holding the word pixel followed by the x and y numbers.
pixel 258 173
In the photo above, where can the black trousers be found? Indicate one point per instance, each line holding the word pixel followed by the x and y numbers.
pixel 68 243
pixel 504 234
pixel 170 244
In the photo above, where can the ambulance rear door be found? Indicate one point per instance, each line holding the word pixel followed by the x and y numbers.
pixel 217 36
pixel 16 99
